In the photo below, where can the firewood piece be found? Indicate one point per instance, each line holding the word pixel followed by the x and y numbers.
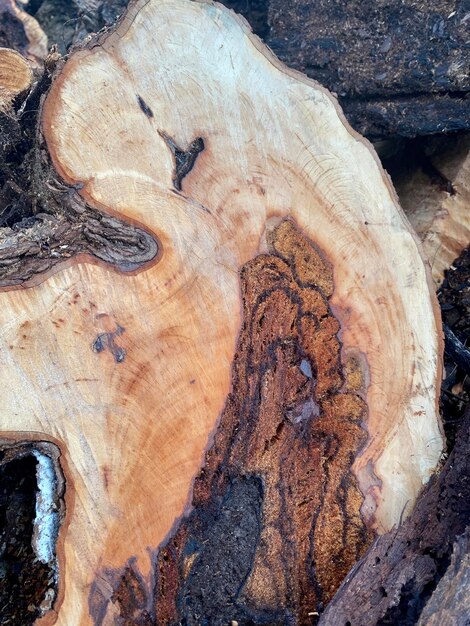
pixel 22 32
pixel 15 76
pixel 285 233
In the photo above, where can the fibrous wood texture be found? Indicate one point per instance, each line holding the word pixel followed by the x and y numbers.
pixel 285 325
pixel 15 76
pixel 418 573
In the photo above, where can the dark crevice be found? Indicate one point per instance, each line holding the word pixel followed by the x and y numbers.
pixel 184 159
pixel 454 298
pixel 24 579
pixel 403 156
pixel 144 107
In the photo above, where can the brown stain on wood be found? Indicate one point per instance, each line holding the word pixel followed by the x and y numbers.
pixel 275 524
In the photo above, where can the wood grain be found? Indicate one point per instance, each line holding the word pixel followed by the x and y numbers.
pixel 15 76
pixel 129 374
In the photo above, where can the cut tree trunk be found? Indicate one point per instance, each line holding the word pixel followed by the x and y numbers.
pixel 219 432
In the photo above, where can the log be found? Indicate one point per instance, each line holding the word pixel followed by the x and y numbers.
pixel 436 196
pixel 398 67
pixel 215 420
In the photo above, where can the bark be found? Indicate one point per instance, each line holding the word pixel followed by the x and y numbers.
pixel 449 604
pixel 239 373
pixel 397 67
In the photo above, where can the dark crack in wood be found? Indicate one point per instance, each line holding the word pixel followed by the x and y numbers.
pixel 144 107
pixel 184 159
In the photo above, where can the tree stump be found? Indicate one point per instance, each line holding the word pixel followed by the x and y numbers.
pixel 219 426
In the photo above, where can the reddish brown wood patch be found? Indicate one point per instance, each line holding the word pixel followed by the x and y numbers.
pixel 275 524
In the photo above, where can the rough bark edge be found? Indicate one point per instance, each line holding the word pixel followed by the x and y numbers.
pixel 450 605
pixel 60 226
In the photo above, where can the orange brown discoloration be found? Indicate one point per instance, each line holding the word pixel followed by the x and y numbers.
pixel 288 422
pixel 280 465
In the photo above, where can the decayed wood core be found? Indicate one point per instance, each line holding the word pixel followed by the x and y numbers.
pixel 276 521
